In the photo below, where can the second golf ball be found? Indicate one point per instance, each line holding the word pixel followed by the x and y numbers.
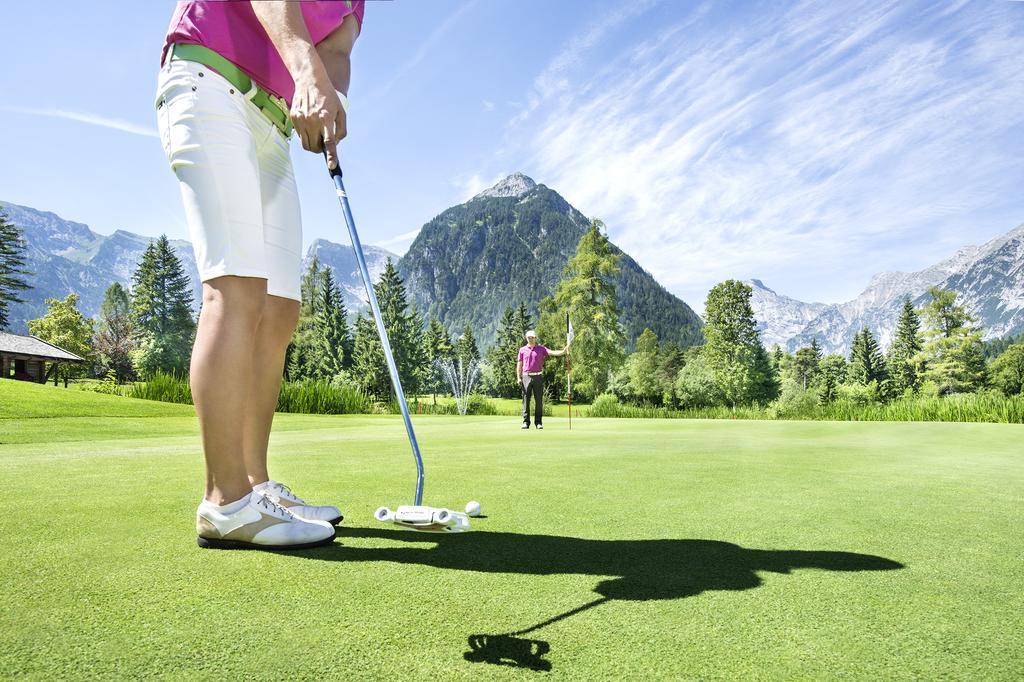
pixel 473 508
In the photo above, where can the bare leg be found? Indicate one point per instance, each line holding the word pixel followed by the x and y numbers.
pixel 280 316
pixel 221 378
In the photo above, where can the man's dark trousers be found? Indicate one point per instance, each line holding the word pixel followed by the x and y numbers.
pixel 533 386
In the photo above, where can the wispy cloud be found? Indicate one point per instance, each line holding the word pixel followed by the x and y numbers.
pixel 399 244
pixel 487 105
pixel 471 185
pixel 426 48
pixel 554 78
pixel 813 144
pixel 85 117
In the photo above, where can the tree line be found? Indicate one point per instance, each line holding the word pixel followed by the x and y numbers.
pixel 936 350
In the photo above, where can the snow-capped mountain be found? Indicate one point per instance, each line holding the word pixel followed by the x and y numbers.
pixel 68 257
pixel 515 185
pixel 342 260
pixel 988 278
pixel 780 318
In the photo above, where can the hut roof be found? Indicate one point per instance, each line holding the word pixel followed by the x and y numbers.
pixel 16 344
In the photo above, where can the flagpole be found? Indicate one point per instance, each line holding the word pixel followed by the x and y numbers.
pixel 568 374
pixel 568 367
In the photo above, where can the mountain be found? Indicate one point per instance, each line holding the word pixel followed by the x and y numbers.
pixel 509 244
pixel 988 278
pixel 780 317
pixel 68 257
pixel 342 260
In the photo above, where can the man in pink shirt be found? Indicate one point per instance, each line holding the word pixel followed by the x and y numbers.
pixel 236 79
pixel 530 375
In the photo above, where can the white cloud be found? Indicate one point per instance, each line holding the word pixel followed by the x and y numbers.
pixel 86 117
pixel 399 244
pixel 487 105
pixel 811 145
pixel 471 185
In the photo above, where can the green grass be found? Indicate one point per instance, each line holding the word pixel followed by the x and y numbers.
pixel 707 549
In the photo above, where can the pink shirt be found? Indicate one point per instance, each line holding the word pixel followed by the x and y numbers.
pixel 232 30
pixel 533 358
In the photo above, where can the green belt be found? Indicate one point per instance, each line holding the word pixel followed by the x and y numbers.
pixel 274 108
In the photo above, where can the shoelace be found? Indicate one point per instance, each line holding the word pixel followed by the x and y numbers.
pixel 274 506
pixel 288 491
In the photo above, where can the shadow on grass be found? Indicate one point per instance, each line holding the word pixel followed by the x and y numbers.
pixel 645 570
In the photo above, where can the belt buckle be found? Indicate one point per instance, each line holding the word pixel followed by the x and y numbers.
pixel 286 127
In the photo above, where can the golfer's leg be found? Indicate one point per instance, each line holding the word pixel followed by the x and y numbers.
pixel 526 399
pixel 212 151
pixel 538 415
pixel 280 315
pixel 282 244
pixel 221 379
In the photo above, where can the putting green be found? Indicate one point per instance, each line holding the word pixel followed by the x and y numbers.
pixel 641 549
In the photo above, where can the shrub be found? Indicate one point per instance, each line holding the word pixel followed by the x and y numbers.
pixel 107 385
pixel 480 405
pixel 794 401
pixel 605 405
pixel 858 394
pixel 695 385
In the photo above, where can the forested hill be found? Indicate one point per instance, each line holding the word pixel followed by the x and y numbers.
pixel 509 244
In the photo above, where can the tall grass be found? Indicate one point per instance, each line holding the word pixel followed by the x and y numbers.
pixel 305 397
pixel 168 388
pixel 987 406
pixel 322 397
pixel 478 405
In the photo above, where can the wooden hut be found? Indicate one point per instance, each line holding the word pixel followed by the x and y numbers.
pixel 31 359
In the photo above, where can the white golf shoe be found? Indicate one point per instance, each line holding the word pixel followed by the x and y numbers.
pixel 281 494
pixel 259 524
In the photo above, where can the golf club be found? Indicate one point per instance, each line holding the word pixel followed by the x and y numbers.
pixel 415 516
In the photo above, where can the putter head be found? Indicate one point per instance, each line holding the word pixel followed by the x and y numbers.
pixel 424 519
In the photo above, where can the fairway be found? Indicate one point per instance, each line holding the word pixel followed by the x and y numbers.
pixel 622 549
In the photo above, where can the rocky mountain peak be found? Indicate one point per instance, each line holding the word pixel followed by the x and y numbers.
pixel 515 185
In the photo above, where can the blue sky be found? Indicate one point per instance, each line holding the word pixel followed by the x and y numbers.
pixel 807 144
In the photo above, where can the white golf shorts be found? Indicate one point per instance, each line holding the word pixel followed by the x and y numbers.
pixel 236 178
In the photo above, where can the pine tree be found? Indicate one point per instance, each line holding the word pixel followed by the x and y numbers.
pixel 12 268
pixel 867 364
pixel 66 327
pixel 733 348
pixel 162 311
pixel 766 381
pixel 437 347
pixel 587 293
pixel 466 349
pixel 503 354
pixel 777 355
pixel 114 341
pixel 331 343
pixel 522 322
pixel 906 345
pixel 641 370
pixel 671 359
pixel 831 374
pixel 952 352
pixel 299 356
pixel 369 368
pixel 405 333
pixel 1007 370
pixel 805 364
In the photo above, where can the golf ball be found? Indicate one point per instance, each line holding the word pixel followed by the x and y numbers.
pixel 473 508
